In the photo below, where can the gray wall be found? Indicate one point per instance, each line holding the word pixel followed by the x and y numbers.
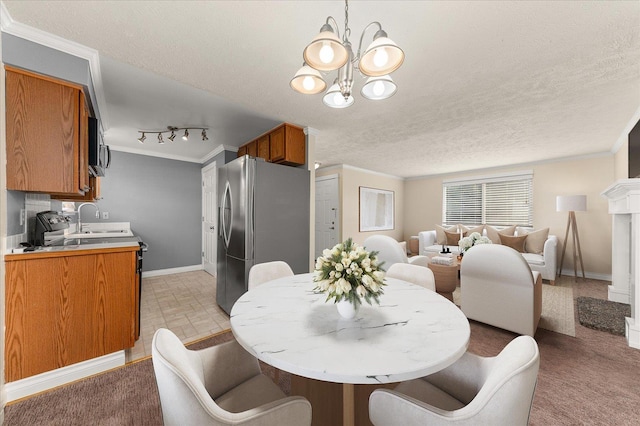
pixel 162 199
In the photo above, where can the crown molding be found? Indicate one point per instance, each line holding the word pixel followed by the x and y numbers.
pixel 9 26
pixel 217 150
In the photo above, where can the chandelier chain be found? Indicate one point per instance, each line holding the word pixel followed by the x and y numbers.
pixel 347 30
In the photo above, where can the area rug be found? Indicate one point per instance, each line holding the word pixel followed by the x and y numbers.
pixel 557 309
pixel 603 315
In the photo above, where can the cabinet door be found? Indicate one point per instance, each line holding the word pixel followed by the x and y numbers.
pixel 62 310
pixel 277 148
pixel 252 149
pixel 263 148
pixel 43 140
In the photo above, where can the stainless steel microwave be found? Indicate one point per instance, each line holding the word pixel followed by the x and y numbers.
pixel 99 153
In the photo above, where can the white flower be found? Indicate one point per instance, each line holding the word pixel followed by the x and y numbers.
pixel 378 275
pixel 361 291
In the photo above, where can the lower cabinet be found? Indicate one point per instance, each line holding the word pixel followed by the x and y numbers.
pixel 67 307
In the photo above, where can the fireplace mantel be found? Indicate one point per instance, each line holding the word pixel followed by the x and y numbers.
pixel 624 205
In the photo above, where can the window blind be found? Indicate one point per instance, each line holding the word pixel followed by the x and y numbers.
pixel 499 200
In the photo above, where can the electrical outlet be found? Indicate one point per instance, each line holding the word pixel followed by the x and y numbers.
pixel 105 215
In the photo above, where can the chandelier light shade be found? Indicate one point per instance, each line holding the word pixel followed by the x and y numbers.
pixel 327 52
pixel 308 81
pixel 172 130
pixel 382 56
pixel 377 88
pixel 335 99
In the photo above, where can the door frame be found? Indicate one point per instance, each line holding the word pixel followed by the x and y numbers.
pixel 206 169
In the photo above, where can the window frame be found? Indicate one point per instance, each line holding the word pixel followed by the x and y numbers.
pixel 522 216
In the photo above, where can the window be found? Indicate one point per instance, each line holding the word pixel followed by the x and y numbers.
pixel 499 200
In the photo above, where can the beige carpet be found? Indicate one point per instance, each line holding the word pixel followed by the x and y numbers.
pixel 557 309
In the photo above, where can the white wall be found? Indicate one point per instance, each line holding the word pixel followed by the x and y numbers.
pixel 351 179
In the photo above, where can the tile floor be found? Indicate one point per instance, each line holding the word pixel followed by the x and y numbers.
pixel 184 303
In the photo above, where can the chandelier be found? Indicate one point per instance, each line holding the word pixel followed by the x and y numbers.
pixel 172 130
pixel 327 52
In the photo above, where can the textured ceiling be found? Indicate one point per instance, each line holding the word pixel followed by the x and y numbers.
pixel 484 84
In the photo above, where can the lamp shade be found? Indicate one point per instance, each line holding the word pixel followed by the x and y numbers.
pixel 382 57
pixel 335 99
pixel 377 88
pixel 308 81
pixel 325 52
pixel 571 203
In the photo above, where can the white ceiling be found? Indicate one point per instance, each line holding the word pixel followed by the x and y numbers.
pixel 484 84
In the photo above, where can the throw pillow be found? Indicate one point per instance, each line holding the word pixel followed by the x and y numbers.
pixel 452 238
pixel 535 240
pixel 477 229
pixel 494 234
pixel 441 238
pixel 516 243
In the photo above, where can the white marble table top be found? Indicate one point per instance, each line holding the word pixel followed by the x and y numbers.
pixel 412 333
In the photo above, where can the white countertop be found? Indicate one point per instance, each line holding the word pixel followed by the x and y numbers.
pixel 414 332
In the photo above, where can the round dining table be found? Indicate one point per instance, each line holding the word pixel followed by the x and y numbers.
pixel 412 333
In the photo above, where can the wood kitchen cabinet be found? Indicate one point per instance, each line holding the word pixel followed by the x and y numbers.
pixel 93 194
pixel 47 134
pixel 63 307
pixel 286 144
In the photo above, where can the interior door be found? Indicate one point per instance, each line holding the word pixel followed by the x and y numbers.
pixel 327 213
pixel 209 218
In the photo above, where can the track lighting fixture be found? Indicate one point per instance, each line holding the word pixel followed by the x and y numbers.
pixel 172 130
pixel 327 52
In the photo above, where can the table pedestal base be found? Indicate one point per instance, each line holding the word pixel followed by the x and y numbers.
pixel 336 403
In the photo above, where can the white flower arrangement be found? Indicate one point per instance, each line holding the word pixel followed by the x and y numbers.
pixel 475 238
pixel 349 272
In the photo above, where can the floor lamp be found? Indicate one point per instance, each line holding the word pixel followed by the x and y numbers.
pixel 572 204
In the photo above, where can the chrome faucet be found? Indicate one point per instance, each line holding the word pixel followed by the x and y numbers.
pixel 80 217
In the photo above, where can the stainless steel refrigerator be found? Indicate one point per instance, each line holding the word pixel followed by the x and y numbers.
pixel 263 215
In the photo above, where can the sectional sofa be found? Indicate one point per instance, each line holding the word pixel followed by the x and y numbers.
pixel 541 256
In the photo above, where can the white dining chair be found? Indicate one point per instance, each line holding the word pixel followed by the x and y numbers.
pixel 418 275
pixel 219 385
pixel 263 272
pixel 474 390
pixel 390 252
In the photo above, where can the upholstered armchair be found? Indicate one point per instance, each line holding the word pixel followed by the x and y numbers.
pixel 497 287
pixel 390 252
pixel 473 391
pixel 220 385
pixel 262 272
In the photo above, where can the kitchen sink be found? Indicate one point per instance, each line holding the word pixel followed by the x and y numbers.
pixel 103 230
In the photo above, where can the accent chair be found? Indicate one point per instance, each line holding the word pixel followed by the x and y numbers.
pixel 220 385
pixel 474 390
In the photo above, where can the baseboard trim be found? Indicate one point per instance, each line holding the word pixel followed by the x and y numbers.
pixel 61 376
pixel 170 271
pixel 591 275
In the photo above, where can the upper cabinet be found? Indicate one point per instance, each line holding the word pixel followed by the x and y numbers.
pixel 285 144
pixel 47 134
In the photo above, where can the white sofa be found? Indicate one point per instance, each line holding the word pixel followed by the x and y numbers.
pixel 545 263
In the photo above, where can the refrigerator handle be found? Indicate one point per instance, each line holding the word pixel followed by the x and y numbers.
pixel 227 192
